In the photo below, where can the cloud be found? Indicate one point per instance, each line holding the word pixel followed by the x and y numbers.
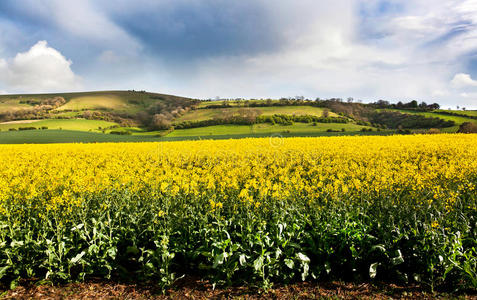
pixel 40 69
pixel 463 80
pixel 368 49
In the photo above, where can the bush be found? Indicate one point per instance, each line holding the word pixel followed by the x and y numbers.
pixel 467 127
pixel 433 131
pixel 120 132
pixel 27 128
pixel 398 120
pixel 12 129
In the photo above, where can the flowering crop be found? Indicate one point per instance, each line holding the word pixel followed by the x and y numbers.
pixel 399 208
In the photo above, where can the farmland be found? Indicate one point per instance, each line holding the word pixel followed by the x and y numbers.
pixel 67 124
pixel 264 129
pixel 204 114
pixel 243 212
pixel 158 117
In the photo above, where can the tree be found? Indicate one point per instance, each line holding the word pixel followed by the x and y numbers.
pixel 160 122
pixel 423 105
pixel 467 127
pixel 326 113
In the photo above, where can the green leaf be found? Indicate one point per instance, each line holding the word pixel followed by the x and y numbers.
pixel 379 247
pixel 219 259
pixel 258 263
pixel 3 271
pixel 242 259
pixel 14 283
pixel 302 257
pixel 373 269
pixel 75 259
pixel 289 263
pixel 398 259
pixel 132 250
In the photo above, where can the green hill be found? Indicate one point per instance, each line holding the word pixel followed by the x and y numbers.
pixel 84 110
pixel 142 116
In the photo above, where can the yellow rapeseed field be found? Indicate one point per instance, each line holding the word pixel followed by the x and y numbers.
pixel 336 169
pixel 255 211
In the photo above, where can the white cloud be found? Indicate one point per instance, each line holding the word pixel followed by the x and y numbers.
pixel 413 56
pixel 463 80
pixel 40 69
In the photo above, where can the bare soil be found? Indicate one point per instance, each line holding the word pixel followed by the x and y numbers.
pixel 193 288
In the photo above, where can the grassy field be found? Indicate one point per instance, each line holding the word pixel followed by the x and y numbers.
pixel 233 102
pixel 457 119
pixel 11 105
pixel 71 136
pixel 67 136
pixel 130 101
pixel 472 113
pixel 67 124
pixel 263 129
pixel 211 113
pixel 96 102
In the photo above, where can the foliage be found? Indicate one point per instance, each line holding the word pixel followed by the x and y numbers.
pixel 241 119
pixel 467 127
pixel 393 119
pixel 252 211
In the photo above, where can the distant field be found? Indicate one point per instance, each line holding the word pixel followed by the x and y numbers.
pixel 67 124
pixel 69 136
pixel 66 136
pixel 95 102
pixel 132 101
pixel 472 113
pixel 11 105
pixel 206 114
pixel 457 119
pixel 262 129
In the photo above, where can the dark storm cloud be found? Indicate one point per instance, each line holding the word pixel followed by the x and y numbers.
pixel 196 29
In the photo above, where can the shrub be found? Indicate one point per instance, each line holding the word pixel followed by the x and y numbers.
pixel 433 131
pixel 27 128
pixel 120 132
pixel 467 127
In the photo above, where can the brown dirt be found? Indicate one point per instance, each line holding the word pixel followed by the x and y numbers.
pixel 191 288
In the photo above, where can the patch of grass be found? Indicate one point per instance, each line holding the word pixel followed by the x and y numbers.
pixel 96 102
pixel 71 136
pixel 67 124
pixel 472 113
pixel 67 136
pixel 206 114
pixel 457 119
pixel 302 128
pixel 11 105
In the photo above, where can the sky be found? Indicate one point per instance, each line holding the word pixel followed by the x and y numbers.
pixel 365 49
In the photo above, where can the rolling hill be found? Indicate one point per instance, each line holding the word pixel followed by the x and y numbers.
pixel 108 116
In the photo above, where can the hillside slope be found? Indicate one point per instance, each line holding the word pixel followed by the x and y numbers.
pixel 123 108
